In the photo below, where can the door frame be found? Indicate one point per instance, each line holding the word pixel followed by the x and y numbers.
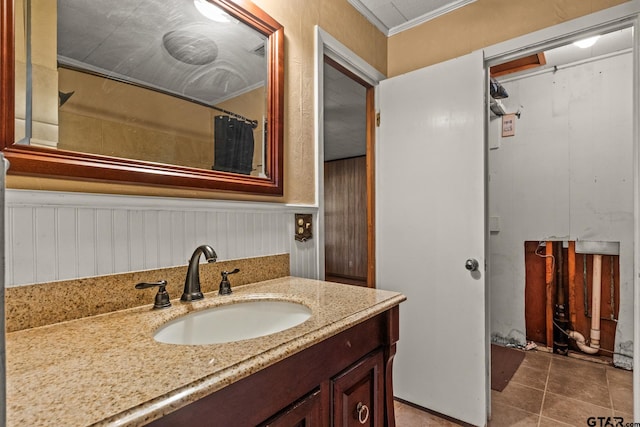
pixel 609 19
pixel 327 45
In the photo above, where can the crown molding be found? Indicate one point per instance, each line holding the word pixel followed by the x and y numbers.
pixel 357 4
pixel 360 7
pixel 428 16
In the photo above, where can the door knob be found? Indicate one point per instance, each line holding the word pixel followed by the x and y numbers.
pixel 471 264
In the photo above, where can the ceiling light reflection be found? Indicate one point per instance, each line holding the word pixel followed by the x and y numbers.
pixel 211 11
pixel 585 43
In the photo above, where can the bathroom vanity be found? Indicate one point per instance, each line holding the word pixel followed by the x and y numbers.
pixel 332 369
pixel 341 379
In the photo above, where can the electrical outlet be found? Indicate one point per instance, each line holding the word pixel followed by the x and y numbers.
pixel 303 227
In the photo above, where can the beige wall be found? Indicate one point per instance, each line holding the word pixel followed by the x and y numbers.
pixel 480 24
pixel 111 118
pixel 298 17
pixel 343 22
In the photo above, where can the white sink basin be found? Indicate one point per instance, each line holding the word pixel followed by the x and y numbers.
pixel 233 322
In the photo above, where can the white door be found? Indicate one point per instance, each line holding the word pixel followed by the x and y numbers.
pixel 430 193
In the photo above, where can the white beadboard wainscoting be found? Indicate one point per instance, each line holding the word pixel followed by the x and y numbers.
pixel 58 236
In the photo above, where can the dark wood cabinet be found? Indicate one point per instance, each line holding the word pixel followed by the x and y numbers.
pixel 304 413
pixel 358 394
pixel 338 381
pixel 356 399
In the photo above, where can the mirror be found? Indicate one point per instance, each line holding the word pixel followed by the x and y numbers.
pixel 185 93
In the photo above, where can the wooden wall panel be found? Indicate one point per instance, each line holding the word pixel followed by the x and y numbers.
pixel 535 294
pixel 536 313
pixel 345 189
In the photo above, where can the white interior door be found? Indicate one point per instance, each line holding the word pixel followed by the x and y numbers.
pixel 430 193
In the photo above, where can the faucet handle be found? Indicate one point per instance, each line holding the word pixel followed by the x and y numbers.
pixel 225 285
pixel 162 297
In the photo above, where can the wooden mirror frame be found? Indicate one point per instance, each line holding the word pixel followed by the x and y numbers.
pixel 44 162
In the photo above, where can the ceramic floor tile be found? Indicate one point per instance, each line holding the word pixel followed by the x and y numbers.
pixel 563 365
pixel 524 401
pixel 621 389
pixel 621 396
pixel 519 396
pixel 579 380
pixel 548 422
pixel 619 376
pixel 627 418
pixel 579 388
pixel 539 360
pixel 408 416
pixel 506 416
pixel 571 411
pixel 530 377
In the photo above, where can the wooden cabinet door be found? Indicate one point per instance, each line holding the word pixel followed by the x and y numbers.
pixel 304 413
pixel 358 394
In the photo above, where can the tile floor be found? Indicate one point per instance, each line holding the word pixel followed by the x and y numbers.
pixel 548 390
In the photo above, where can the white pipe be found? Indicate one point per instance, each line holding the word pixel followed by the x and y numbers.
pixel 595 302
pixel 579 338
pixel 596 284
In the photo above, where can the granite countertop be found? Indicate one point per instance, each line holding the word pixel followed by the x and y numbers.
pixel 108 369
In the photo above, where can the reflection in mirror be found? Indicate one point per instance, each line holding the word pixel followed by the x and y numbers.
pixel 156 81
pixel 191 88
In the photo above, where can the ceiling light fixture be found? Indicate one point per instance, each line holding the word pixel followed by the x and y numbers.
pixel 211 11
pixel 585 43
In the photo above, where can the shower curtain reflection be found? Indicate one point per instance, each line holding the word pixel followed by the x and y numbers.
pixel 234 145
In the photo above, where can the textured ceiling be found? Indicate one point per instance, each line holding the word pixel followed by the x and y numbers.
pixel 125 40
pixel 345 116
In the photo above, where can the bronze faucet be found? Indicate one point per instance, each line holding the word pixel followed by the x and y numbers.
pixel 192 290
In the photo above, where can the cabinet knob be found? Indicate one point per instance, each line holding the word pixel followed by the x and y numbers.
pixel 363 412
